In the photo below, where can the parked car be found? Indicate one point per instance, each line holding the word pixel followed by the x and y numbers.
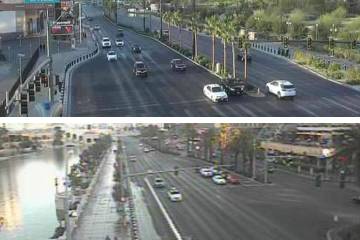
pixel 233 87
pixel 219 180
pixel 281 88
pixel 159 182
pixel 111 56
pixel 174 195
pixel 177 65
pixel 215 93
pixel 96 27
pixel 146 150
pixel 132 158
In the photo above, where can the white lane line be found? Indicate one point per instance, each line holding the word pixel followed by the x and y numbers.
pixel 306 110
pixel 340 105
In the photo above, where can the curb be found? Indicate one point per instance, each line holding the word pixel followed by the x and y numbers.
pixel 308 69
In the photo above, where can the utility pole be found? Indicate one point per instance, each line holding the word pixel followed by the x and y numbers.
pixel 161 20
pixel 193 32
pixel 144 22
pixel 80 21
pixel 67 224
pixel 254 160
pixel 266 166
pixel 49 56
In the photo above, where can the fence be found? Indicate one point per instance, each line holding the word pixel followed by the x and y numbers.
pixel 25 73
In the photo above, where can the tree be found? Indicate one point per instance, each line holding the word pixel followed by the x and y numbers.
pixel 195 28
pixel 3 134
pixel 212 26
pixel 352 148
pixel 233 34
pixel 177 20
pixel 58 136
pixel 190 133
pixel 210 139
pixel 225 35
pixel 225 130
pixel 167 16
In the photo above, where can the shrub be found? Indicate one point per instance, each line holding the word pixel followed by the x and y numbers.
pixel 353 76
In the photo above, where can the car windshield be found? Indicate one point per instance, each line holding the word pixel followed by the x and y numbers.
pixel 106 39
pixel 287 86
pixel 140 65
pixel 174 192
pixel 111 53
pixel 216 89
pixel 179 61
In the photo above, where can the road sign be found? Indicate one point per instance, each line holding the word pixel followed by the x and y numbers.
pixel 41 1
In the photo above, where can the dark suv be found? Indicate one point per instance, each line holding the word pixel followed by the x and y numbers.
pixel 136 49
pixel 140 69
pixel 234 87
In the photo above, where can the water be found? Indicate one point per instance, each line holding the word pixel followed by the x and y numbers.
pixel 27 193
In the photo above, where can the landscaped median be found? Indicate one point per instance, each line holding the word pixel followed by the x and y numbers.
pixel 330 70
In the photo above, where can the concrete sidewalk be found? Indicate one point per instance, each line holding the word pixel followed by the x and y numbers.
pixel 42 106
pixel 100 217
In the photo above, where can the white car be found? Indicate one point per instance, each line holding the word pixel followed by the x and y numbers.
pixel 174 195
pixel 281 88
pixel 206 172
pixel 215 93
pixel 119 42
pixel 111 56
pixel 219 180
pixel 106 43
pixel 96 27
pixel 132 158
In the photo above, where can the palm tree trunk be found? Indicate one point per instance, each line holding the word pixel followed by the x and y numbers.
pixel 233 59
pixel 225 55
pixel 180 43
pixel 213 53
pixel 169 32
pixel 196 44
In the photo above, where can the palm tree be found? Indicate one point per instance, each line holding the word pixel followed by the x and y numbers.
pixel 177 20
pixel 168 18
pixel 225 35
pixel 195 27
pixel 233 33
pixel 212 25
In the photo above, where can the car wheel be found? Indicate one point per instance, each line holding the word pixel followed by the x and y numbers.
pixel 279 95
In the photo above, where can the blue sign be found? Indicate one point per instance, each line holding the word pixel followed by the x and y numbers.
pixel 41 1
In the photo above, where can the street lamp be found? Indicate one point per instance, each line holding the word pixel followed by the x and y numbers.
pixel 20 56
pixel 288 23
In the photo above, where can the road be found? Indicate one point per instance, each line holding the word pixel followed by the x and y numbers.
pixel 100 88
pixel 290 208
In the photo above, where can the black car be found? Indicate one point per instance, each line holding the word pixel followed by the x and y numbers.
pixel 234 87
pixel 136 49
pixel 89 19
pixel 241 57
pixel 140 69
pixel 177 65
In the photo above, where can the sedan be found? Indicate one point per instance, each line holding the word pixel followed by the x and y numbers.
pixel 174 195
pixel 215 93
pixel 219 180
pixel 111 56
pixel 233 179
pixel 119 42
pixel 233 87
pixel 159 182
pixel 206 172
pixel 177 65
pixel 96 27
pixel 281 88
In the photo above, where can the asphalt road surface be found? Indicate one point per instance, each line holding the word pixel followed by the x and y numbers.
pixel 291 208
pixel 101 88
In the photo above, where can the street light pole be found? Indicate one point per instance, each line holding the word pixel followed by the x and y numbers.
pixel 316 31
pixel 67 224
pixel 266 166
pixel 161 20
pixel 254 160
pixel 80 21
pixel 20 56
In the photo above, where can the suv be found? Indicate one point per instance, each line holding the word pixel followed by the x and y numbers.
pixel 177 65
pixel 234 87
pixel 140 69
pixel 159 182
pixel 106 43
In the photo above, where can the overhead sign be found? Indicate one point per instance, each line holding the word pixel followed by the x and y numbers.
pixel 58 29
pixel 41 1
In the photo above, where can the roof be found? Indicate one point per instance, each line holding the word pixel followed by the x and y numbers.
pixel 285 82
pixel 213 85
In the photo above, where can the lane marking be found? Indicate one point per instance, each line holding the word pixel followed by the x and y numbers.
pixel 340 105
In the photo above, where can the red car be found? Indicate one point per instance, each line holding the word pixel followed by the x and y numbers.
pixel 233 179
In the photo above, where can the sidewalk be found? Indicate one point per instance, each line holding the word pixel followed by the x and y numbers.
pixel 65 54
pixel 100 217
